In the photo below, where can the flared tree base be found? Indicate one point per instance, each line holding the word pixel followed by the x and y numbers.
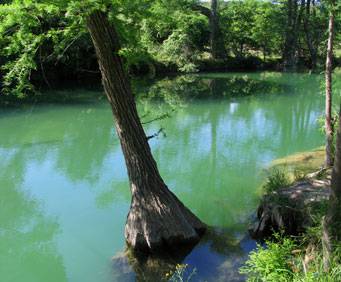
pixel 158 221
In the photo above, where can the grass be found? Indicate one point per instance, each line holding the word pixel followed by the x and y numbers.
pixel 291 259
pixel 305 162
pixel 285 171
pixel 277 178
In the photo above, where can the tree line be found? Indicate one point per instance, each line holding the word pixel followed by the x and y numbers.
pixel 43 43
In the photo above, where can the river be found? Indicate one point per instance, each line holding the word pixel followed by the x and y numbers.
pixel 64 192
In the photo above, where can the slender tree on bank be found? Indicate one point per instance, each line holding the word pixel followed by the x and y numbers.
pixel 307 26
pixel 335 206
pixel 332 222
pixel 216 37
pixel 328 113
pixel 157 219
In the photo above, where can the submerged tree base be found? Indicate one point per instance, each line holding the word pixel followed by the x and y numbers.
pixel 133 265
pixel 158 221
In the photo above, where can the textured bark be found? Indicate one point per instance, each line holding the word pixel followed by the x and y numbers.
pixel 335 200
pixel 332 222
pixel 157 219
pixel 326 243
pixel 336 176
pixel 328 120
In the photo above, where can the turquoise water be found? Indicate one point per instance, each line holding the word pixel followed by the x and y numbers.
pixel 64 192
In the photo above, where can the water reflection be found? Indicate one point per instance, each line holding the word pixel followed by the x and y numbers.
pixel 207 86
pixel 64 193
pixel 26 234
pixel 215 258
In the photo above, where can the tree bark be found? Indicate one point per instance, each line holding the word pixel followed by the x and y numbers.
pixel 335 199
pixel 157 219
pixel 332 222
pixel 290 56
pixel 217 46
pixel 328 120
pixel 216 40
pixel 289 51
pixel 308 36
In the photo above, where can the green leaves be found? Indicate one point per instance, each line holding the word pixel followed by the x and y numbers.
pixel 22 35
pixel 272 263
pixel 51 33
pixel 26 27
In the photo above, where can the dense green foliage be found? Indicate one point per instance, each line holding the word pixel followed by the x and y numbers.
pixel 284 259
pixel 45 42
pixel 272 263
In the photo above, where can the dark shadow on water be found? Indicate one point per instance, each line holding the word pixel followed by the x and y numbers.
pixel 217 257
pixel 168 89
pixel 188 87
pixel 67 95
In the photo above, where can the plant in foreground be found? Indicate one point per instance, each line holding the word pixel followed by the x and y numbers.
pixel 182 273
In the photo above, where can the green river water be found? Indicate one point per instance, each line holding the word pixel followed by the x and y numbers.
pixel 64 192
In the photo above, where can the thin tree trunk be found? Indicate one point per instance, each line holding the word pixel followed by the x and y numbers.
pixel 328 120
pixel 291 45
pixel 331 228
pixel 309 40
pixel 217 43
pixel 336 186
pixel 289 48
pixel 157 219
pixel 332 222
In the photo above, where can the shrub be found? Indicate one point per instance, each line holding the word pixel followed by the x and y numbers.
pixel 276 179
pixel 271 263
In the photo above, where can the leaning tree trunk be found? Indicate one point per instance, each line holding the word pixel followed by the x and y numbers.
pixel 328 120
pixel 156 219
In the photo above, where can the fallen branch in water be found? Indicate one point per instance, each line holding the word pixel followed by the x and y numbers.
pixel 161 130
pixel 160 117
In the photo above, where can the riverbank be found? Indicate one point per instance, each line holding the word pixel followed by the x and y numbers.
pixel 289 219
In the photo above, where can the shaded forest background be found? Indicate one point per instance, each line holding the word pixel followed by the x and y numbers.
pixel 44 46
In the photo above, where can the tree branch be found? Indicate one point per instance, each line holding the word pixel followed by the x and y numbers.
pixel 161 130
pixel 203 10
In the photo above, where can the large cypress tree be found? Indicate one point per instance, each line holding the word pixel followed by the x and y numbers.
pixel 157 219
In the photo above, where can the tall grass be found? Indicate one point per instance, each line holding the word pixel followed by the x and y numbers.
pixel 277 178
pixel 285 260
